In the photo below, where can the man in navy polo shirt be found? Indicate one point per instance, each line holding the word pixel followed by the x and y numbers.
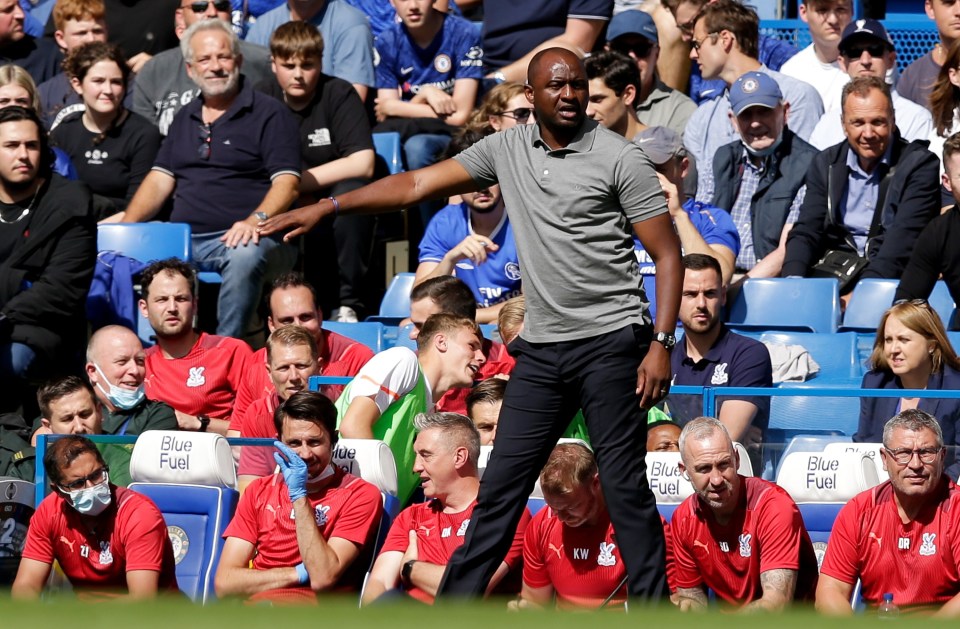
pixel 711 355
pixel 233 158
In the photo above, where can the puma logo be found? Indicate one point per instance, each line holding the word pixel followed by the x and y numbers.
pixel 873 535
pixel 67 542
pixel 697 542
pixel 559 551
pixel 426 530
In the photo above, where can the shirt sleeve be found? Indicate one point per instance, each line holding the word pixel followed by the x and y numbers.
pixel 687 575
pixel 753 368
pixel 779 532
pixel 359 515
pixel 387 377
pixel 671 559
pixel 279 157
pixel 349 125
pixel 636 185
pixel 794 213
pixel 469 53
pixel 352 52
pixel 240 358
pixel 515 554
pixel 591 9
pixel 479 160
pixel 716 226
pixel 534 567
pixel 841 560
pixel 438 236
pixel 244 523
pixel 398 538
pixel 39 544
pixel 145 535
pixel 386 63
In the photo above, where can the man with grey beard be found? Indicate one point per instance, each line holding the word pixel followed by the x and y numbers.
pixel 228 156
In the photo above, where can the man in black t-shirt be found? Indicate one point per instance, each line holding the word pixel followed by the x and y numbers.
pixel 338 156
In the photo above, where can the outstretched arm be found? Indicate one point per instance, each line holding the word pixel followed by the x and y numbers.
pixel 396 192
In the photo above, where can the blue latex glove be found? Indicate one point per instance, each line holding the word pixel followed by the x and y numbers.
pixel 302 573
pixel 294 470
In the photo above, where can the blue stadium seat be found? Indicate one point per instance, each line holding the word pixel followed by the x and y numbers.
pixel 196 494
pixel 387 147
pixel 395 306
pixel 403 338
pixel 811 304
pixel 835 353
pixel 16 509
pixel 872 450
pixel 942 301
pixel 870 299
pixel 367 332
pixel 821 484
pixel 810 414
pixel 146 242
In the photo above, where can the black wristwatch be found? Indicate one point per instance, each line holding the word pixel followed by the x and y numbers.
pixel 666 339
pixel 204 423
pixel 405 573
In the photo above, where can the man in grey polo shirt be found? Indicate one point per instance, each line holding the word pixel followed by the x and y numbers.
pixel 581 191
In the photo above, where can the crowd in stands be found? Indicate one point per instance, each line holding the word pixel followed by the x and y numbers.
pixel 225 115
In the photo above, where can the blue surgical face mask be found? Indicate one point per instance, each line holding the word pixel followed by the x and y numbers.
pixel 764 152
pixel 124 399
pixel 91 500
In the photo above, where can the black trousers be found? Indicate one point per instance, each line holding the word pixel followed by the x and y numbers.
pixel 550 382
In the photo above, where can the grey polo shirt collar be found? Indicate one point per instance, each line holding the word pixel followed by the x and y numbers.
pixel 582 141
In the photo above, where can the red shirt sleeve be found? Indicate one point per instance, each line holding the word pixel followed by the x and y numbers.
pixel 252 386
pixel 241 361
pixel 359 515
pixel 780 532
pixel 244 523
pixel 841 560
pixel 685 565
pixel 515 554
pixel 144 534
pixel 39 544
pixel 398 538
pixel 534 567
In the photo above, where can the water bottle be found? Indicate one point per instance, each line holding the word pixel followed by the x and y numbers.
pixel 888 610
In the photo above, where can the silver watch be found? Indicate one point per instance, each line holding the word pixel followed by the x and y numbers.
pixel 666 339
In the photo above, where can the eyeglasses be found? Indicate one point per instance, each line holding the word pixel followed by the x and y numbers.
pixel 206 139
pixel 696 44
pixel 687 27
pixel 520 114
pixel 95 478
pixel 201 6
pixel 903 456
pixel 874 50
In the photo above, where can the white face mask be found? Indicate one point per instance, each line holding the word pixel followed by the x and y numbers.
pixel 124 399
pixel 326 473
pixel 92 500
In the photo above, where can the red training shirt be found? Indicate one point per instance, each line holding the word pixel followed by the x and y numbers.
pixel 205 381
pixel 130 535
pixel 582 564
pixel 918 561
pixel 349 508
pixel 765 533
pixel 257 422
pixel 439 534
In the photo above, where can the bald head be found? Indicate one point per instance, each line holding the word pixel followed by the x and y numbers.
pixel 546 58
pixel 115 357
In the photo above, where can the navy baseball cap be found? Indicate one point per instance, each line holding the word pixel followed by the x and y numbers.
pixel 754 89
pixel 632 22
pixel 660 144
pixel 864 29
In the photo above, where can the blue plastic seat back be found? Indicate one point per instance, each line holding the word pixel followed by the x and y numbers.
pixel 835 353
pixel 196 517
pixel 812 414
pixel 395 306
pixel 367 332
pixel 387 147
pixel 870 299
pixel 811 304
pixel 146 241
pixel 942 301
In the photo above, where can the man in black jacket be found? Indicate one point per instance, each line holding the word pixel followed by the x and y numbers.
pixel 47 255
pixel 871 195
pixel 759 178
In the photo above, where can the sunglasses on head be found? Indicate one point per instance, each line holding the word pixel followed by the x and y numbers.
pixel 201 5
pixel 874 50
pixel 520 114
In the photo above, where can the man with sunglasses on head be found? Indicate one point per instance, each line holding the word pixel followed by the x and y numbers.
pixel 901 537
pixel 163 85
pixel 633 33
pixel 867 50
pixel 109 541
